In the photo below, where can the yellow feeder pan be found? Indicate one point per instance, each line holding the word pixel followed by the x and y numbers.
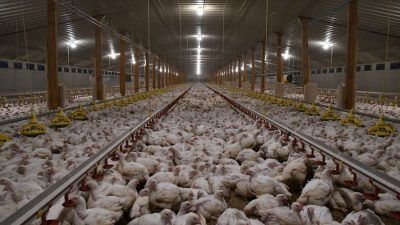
pixel 381 128
pixel 301 107
pixel 351 119
pixel 120 103
pixel 3 139
pixel 79 114
pixel 94 106
pixel 60 120
pixel 275 100
pixel 130 100
pixel 33 128
pixel 4 102
pixel 313 110
pixel 330 114
pixel 284 102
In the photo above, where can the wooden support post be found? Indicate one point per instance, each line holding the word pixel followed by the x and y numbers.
pixel 240 73
pixel 98 67
pixel 162 74
pixel 53 99
pixel 122 88
pixel 153 73
pixel 159 74
pixel 245 76
pixel 146 81
pixel 262 88
pixel 168 77
pixel 136 75
pixel 304 52
pixel 351 62
pixel 253 71
pixel 279 70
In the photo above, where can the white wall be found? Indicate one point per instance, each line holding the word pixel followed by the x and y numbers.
pixel 14 80
pixel 380 81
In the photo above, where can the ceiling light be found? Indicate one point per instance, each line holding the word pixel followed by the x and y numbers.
pixel 286 56
pixel 242 67
pixel 237 69
pixel 133 60
pixel 199 37
pixel 113 55
pixel 72 44
pixel 327 45
pixel 200 11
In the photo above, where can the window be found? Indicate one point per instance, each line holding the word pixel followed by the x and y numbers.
pixel 30 66
pixel 59 69
pixel 331 70
pixel 380 66
pixel 324 70
pixel 66 69
pixel 84 70
pixel 312 71
pixel 18 65
pixel 318 71
pixel 367 67
pixel 103 72
pixel 90 71
pixel 339 70
pixel 395 65
pixel 3 64
pixel 40 67
pixel 358 68
pixel 79 70
pixel 73 70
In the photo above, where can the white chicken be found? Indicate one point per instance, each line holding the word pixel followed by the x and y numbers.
pixel 283 215
pixel 83 216
pixel 233 217
pixel 132 170
pixel 98 199
pixel 345 200
pixel 21 191
pixel 141 206
pixel 261 184
pixel 164 195
pixel 315 214
pixel 362 217
pixel 295 173
pixel 384 206
pixel 210 206
pixel 318 190
pixel 264 202
pixel 165 217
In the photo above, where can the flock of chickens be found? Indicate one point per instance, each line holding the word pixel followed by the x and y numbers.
pixel 30 165
pixel 205 163
pixel 370 108
pixel 10 110
pixel 377 152
pixel 193 164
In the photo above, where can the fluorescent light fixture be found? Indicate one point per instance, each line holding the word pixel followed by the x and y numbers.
pixel 133 59
pixel 199 37
pixel 327 45
pixel 237 69
pixel 242 67
pixel 72 44
pixel 112 54
pixel 286 55
pixel 200 10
